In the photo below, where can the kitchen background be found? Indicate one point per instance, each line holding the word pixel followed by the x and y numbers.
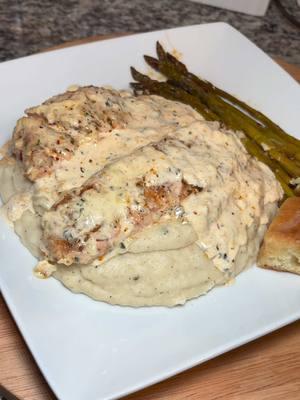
pixel 29 26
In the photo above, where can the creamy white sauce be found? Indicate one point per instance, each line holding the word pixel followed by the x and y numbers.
pixel 216 236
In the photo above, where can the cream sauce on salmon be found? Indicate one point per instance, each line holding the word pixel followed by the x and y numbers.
pixel 141 201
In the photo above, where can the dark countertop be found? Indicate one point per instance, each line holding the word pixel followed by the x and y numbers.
pixel 28 26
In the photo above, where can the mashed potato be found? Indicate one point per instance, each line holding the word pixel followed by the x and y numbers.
pixel 153 206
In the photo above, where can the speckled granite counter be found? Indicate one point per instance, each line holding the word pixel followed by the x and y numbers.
pixel 31 25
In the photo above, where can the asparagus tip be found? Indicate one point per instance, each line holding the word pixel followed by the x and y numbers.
pixel 153 62
pixel 160 51
pixel 135 74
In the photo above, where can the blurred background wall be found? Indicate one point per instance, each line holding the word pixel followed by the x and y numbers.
pixel 29 26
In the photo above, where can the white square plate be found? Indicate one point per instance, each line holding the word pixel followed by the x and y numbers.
pixel 91 350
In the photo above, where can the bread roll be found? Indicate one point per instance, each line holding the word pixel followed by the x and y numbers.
pixel 281 246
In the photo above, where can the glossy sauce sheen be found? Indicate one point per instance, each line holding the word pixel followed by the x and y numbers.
pixel 150 204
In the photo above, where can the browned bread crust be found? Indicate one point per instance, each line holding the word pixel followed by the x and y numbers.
pixel 281 247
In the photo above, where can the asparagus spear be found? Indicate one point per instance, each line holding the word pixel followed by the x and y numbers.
pixel 175 71
pixel 174 93
pixel 180 67
pixel 233 118
pixel 179 74
pixel 264 140
pixel 167 91
pixel 280 174
pixel 236 121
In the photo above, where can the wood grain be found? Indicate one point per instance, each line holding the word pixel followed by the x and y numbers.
pixel 267 369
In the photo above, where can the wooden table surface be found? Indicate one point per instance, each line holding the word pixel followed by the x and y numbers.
pixel 266 369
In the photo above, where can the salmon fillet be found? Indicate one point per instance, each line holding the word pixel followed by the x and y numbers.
pixel 124 198
pixel 57 129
